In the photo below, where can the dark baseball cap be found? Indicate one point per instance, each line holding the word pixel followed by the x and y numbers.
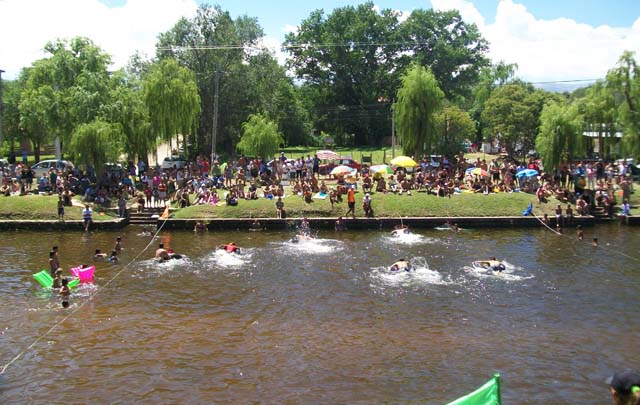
pixel 625 382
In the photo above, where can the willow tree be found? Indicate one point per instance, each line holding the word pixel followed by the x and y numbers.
pixel 600 110
pixel 560 135
pixel 260 137
pixel 625 79
pixel 419 99
pixel 96 143
pixel 171 95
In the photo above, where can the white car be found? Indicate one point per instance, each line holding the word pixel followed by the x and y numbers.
pixel 170 161
pixel 42 168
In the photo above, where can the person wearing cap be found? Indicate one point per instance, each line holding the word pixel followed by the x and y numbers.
pixel 625 387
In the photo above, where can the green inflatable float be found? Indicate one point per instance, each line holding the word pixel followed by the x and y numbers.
pixel 45 279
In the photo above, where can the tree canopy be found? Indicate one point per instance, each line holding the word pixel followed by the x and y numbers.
pixel 171 95
pixel 560 134
pixel 419 99
pixel 260 137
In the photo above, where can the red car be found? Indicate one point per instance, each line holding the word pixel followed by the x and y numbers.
pixel 325 169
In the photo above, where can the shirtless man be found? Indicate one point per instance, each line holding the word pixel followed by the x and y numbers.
pixel 162 253
pixel 401 264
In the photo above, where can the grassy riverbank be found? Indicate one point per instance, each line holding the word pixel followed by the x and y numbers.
pixel 37 207
pixel 384 205
pixel 41 207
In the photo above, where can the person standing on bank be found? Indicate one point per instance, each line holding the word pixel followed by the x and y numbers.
pixel 87 217
pixel 351 200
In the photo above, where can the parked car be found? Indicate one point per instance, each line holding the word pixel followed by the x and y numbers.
pixel 176 160
pixel 42 168
pixel 325 169
pixel 114 168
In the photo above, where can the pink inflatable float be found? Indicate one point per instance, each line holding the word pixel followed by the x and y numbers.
pixel 85 274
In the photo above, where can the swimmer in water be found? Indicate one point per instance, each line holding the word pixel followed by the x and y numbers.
pixel 114 257
pixel 400 265
pixel 99 254
pixel 200 227
pixel 161 253
pixel 230 247
pixel 65 293
pixel 118 246
pixel 400 230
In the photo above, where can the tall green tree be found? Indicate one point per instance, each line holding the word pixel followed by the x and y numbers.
pixel 171 95
pixel 209 42
pixel 600 114
pixel 560 135
pixel 260 137
pixel 625 79
pixel 419 99
pixel 96 143
pixel 11 129
pixel 349 58
pixel 76 71
pixel 35 117
pixel 453 126
pixel 453 49
pixel 128 110
pixel 512 115
pixel 490 78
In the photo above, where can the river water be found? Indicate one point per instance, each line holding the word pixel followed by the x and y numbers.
pixel 322 321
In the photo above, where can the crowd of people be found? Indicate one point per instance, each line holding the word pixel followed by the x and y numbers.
pixel 585 186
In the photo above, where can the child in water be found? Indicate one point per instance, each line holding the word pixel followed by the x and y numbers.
pixel 99 255
pixel 118 246
pixel 57 280
pixel 114 257
pixel 65 293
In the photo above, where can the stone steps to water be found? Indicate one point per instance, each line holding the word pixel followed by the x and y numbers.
pixel 149 216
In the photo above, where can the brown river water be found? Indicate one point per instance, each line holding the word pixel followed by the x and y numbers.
pixel 322 321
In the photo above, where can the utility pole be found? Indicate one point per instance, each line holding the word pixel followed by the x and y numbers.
pixel 1 106
pixel 214 128
pixel 393 131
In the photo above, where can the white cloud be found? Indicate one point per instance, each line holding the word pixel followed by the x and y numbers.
pixel 290 28
pixel 546 50
pixel 27 25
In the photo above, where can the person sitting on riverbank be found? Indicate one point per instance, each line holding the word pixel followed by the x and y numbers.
pixel 231 198
pixel 367 183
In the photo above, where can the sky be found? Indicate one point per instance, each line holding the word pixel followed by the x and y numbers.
pixel 549 40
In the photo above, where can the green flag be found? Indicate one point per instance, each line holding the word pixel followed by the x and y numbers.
pixel 488 394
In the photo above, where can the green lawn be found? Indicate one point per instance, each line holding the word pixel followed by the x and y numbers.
pixel 41 207
pixel 384 205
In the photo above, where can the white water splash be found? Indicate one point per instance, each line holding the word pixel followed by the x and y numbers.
pixel 509 273
pixel 420 274
pixel 313 246
pixel 224 259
